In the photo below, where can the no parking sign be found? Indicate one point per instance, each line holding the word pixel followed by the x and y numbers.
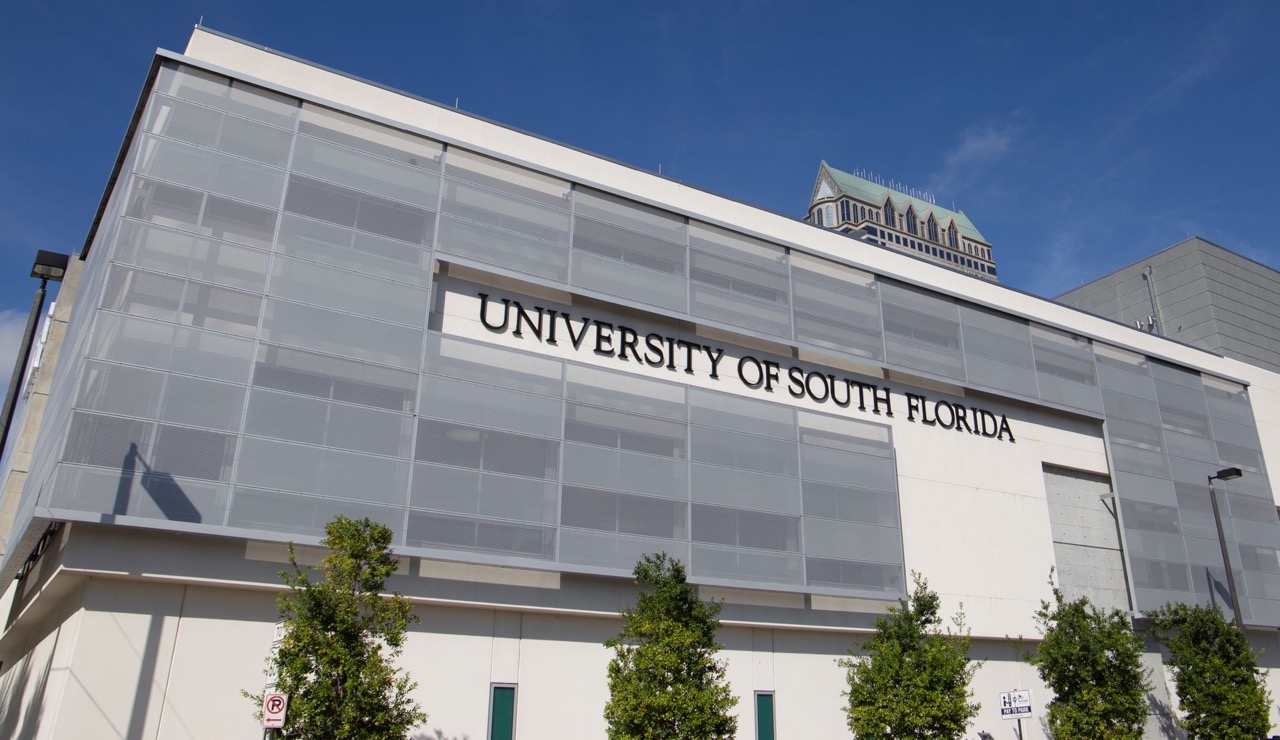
pixel 273 708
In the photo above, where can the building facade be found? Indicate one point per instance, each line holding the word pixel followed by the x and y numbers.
pixel 1196 292
pixel 306 295
pixel 914 224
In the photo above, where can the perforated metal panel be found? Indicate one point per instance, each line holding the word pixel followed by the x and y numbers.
pixel 500 455
pixel 338 378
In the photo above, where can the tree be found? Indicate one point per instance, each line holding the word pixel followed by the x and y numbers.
pixel 1221 692
pixel 341 638
pixel 1091 660
pixel 914 680
pixel 664 680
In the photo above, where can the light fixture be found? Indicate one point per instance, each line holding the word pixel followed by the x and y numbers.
pixel 1226 474
pixel 50 265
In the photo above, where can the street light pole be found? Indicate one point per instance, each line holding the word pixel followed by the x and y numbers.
pixel 20 365
pixel 1226 474
pixel 48 266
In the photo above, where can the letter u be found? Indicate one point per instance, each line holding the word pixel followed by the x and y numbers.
pixel 484 313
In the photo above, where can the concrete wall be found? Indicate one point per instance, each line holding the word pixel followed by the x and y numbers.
pixel 1086 540
pixel 137 659
pixel 22 438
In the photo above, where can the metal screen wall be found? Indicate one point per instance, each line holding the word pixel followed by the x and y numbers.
pixel 259 358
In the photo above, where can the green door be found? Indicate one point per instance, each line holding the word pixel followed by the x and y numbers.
pixel 502 713
pixel 764 716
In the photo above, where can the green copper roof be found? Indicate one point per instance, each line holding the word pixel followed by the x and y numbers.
pixel 868 191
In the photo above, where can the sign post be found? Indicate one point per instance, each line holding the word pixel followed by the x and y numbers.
pixel 273 709
pixel 274 703
pixel 1015 704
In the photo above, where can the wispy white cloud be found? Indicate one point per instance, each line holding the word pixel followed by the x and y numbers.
pixel 12 326
pixel 1064 265
pixel 979 148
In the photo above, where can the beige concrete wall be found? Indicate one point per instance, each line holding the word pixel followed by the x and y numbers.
pixel 135 659
pixel 33 685
pixel 24 438
pixel 119 672
pixel 222 641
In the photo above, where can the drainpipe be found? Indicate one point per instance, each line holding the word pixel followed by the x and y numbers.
pixel 1158 323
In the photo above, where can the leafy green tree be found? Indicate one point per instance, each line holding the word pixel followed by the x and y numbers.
pixel 1091 660
pixel 342 636
pixel 1221 692
pixel 664 680
pixel 914 680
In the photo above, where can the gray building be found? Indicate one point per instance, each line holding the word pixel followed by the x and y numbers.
pixel 1195 292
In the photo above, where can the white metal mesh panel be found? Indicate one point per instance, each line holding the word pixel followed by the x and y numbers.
pixel 184 121
pixel 235 221
pixel 343 247
pixel 436 530
pixel 486 406
pixel 612 550
pixel 142 293
pixel 710 561
pixel 337 378
pixel 852 541
pixel 254 102
pixel 154 248
pixel 313 421
pixel 725 411
pixel 119 389
pixel 165 204
pixel 255 141
pixel 503 249
pixel 197 85
pixel 275 511
pixel 620 470
pixel 620 430
pixel 508 178
pixel 630 215
pixel 609 511
pixel 637 282
pixel 714 484
pixel 742 451
pixel 496 366
pixel 850 574
pixel 347 207
pixel 202 403
pixel 220 309
pixel 323 285
pixel 360 171
pixel 369 137
pixel 490 495
pixel 322 330
pixel 193 453
pixel 465 446
pixel 106 441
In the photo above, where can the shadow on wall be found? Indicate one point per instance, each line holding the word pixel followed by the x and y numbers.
pixel 17 722
pixel 160 486
pixel 438 734
pixel 1165 720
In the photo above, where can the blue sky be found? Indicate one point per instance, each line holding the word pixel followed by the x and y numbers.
pixel 1078 137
